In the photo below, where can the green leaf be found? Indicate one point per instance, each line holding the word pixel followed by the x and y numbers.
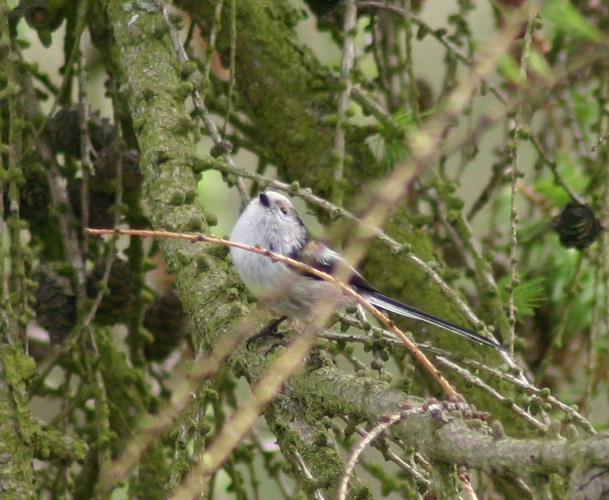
pixel 585 107
pixel 538 63
pixel 510 69
pixel 527 295
pixel 566 18
pixel 570 173
pixel 404 119
pixel 394 150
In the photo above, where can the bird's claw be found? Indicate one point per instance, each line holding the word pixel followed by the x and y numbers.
pixel 271 330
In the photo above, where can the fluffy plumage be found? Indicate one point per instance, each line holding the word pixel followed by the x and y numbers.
pixel 270 221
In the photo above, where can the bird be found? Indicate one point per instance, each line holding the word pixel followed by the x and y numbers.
pixel 270 221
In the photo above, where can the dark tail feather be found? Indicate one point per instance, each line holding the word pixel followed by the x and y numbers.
pixel 390 305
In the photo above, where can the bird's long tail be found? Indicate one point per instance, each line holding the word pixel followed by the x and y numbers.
pixel 390 305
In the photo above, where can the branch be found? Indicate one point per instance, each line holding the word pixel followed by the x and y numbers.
pixel 301 266
pixel 448 432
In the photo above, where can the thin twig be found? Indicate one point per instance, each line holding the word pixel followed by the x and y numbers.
pixel 554 169
pixel 438 35
pixel 345 289
pixel 306 472
pixel 198 100
pixel 348 56
pixel 478 382
pixel 399 461
pixel 500 373
pixel 527 386
pixel 386 422
pixel 231 65
pixel 515 175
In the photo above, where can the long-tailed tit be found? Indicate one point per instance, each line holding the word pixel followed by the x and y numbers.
pixel 270 221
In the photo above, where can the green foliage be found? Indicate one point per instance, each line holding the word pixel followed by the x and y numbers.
pixel 394 141
pixel 563 16
pixel 585 108
pixel 572 174
pixel 528 295
pixel 538 63
pixel 510 69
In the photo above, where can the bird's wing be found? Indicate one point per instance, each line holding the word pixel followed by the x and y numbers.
pixel 318 255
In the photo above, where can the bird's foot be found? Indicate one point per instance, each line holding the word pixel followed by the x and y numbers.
pixel 270 330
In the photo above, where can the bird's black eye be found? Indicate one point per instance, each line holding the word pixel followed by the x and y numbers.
pixel 284 210
pixel 264 200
